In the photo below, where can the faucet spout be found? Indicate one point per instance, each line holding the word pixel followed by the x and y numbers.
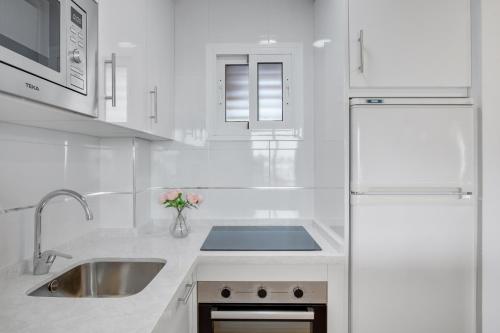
pixel 43 261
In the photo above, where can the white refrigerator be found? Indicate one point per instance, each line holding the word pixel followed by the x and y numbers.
pixel 413 216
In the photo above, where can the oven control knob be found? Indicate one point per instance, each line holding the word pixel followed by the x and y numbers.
pixel 76 56
pixel 225 293
pixel 262 293
pixel 298 293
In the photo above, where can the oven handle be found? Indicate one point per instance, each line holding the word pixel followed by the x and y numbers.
pixel 263 315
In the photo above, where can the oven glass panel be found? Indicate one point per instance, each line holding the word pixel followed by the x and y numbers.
pixel 32 28
pixel 262 327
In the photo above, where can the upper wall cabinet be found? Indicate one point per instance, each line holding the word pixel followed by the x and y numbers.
pixel 136 64
pixel 403 46
pixel 160 66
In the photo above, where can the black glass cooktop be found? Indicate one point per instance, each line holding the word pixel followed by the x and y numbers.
pixel 259 238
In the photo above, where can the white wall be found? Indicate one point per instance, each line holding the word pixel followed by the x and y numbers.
pixel 34 162
pixel 116 174
pixel 330 111
pixel 194 161
pixel 490 27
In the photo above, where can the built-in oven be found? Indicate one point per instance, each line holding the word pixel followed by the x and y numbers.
pixel 262 307
pixel 48 52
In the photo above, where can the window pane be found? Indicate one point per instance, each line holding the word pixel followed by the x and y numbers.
pixel 237 93
pixel 270 91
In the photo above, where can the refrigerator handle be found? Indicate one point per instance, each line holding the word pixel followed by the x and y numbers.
pixel 361 41
pixel 460 194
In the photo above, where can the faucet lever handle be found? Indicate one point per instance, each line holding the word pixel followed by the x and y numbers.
pixel 51 255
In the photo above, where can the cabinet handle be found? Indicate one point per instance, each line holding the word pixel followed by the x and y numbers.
pixel 361 41
pixel 154 116
pixel 112 62
pixel 189 290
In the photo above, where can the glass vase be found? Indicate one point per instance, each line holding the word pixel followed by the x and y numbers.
pixel 180 227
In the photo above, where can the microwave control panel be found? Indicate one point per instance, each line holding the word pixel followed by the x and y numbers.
pixel 77 49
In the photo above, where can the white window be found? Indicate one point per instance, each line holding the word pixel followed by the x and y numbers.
pixel 253 94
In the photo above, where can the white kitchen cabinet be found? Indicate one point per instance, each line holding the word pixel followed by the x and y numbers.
pixel 180 315
pixel 122 32
pixel 407 44
pixel 160 44
pixel 137 90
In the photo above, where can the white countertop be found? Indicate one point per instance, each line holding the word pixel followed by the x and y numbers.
pixel 140 312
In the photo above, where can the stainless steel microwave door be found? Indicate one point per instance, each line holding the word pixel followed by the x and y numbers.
pixel 37 36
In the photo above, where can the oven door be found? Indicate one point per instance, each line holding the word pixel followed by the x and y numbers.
pixel 252 318
pixel 33 37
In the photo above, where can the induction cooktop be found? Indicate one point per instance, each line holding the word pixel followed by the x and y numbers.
pixel 259 238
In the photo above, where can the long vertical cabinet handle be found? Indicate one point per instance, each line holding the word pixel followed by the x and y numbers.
pixel 189 289
pixel 154 116
pixel 361 41
pixel 112 62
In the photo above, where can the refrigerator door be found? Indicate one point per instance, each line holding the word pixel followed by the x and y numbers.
pixel 412 264
pixel 412 147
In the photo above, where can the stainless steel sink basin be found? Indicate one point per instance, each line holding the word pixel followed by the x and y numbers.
pixel 102 278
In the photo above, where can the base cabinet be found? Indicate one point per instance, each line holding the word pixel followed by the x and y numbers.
pixel 180 315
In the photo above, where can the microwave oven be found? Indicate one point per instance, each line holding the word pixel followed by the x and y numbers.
pixel 48 52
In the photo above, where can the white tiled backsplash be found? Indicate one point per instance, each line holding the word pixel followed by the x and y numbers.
pixel 229 171
pixel 34 162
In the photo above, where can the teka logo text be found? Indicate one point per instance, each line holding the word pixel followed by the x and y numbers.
pixel 32 86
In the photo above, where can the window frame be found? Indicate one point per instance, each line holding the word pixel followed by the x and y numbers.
pixel 228 128
pixel 254 60
pixel 220 55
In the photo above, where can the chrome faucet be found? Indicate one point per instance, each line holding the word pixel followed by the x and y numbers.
pixel 43 261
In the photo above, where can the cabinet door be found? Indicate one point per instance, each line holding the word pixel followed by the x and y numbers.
pixel 180 315
pixel 180 321
pixel 160 41
pixel 122 31
pixel 409 44
pixel 413 268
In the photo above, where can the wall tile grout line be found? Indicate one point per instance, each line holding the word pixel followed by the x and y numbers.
pixel 4 211
pixel 258 188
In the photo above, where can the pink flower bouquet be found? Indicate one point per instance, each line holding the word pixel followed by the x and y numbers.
pixel 176 199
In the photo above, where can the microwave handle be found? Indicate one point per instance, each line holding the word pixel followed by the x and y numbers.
pixel 262 315
pixel 112 62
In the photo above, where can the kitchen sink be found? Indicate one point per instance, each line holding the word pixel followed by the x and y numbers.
pixel 102 278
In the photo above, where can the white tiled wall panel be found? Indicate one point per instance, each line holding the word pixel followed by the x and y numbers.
pixel 34 162
pixel 245 204
pixel 116 169
pixel 142 168
pixel 329 206
pixel 233 164
pixel 330 112
pixel 193 161
pixel 201 22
